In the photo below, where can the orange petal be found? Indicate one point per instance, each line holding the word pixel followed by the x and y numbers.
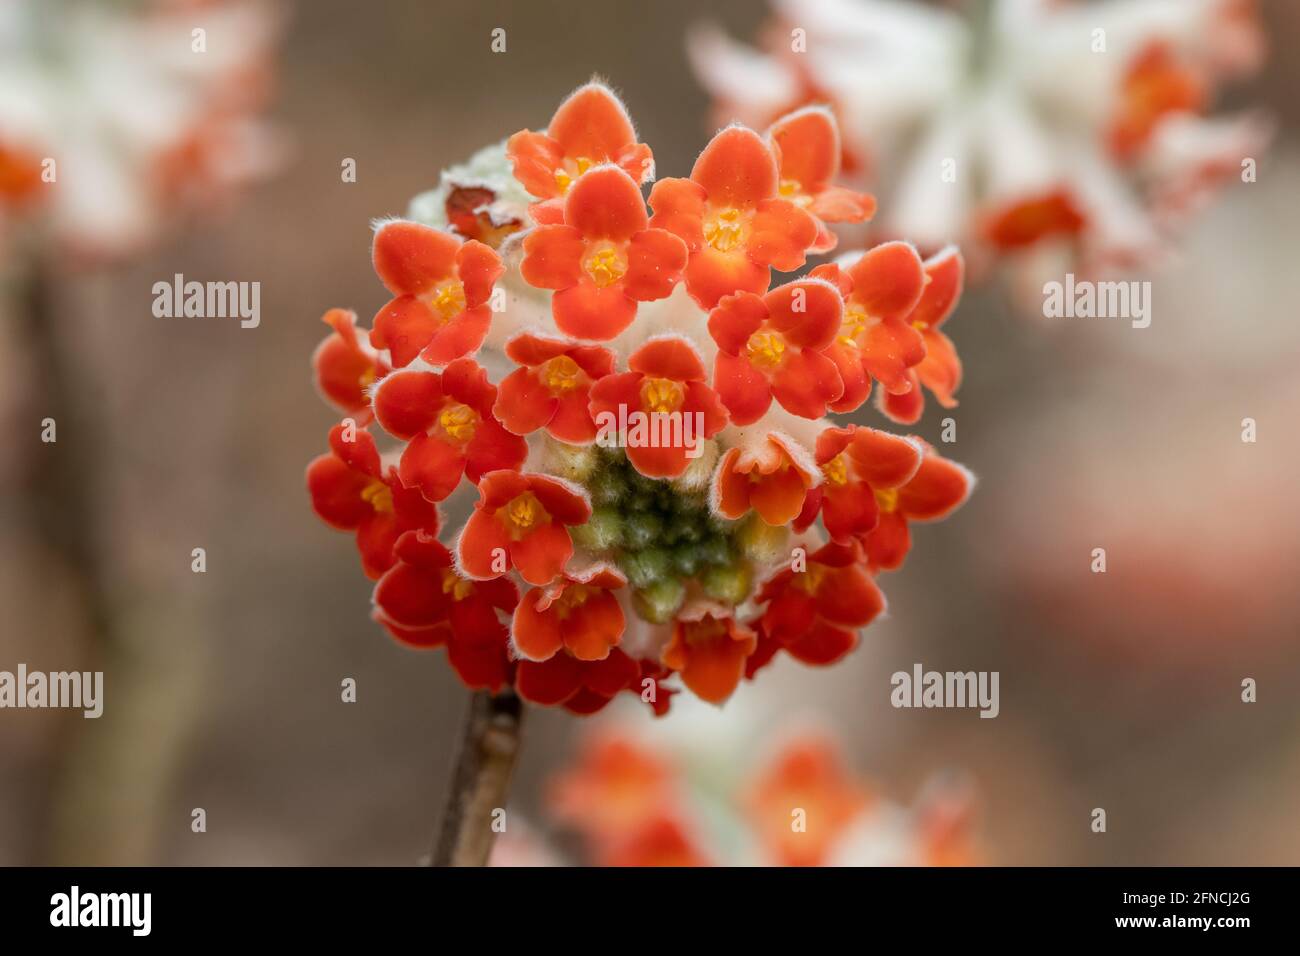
pixel 938 488
pixel 710 275
pixel 807 145
pixel 411 258
pixel 541 555
pixel 534 158
pixel 593 124
pixel 668 357
pixel 781 234
pixel 478 267
pixel 553 257
pixel 586 311
pixel 806 382
pixel 736 169
pixel 882 459
pixel 945 271
pixel 655 261
pixel 778 497
pixel 678 206
pixel 404 326
pixel 807 312
pixel 888 280
pixel 605 203
pixel 536 633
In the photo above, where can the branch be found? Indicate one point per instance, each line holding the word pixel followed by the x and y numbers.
pixel 480 779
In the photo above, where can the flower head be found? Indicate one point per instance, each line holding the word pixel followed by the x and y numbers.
pixel 641 417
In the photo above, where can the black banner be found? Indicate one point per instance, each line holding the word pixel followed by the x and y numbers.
pixel 585 905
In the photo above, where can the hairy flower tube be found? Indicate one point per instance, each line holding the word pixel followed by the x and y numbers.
pixel 1045 135
pixel 626 417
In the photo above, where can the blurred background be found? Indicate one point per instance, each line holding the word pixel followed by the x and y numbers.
pixel 1120 691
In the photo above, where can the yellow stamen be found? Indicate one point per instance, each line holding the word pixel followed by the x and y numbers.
pixel 565 175
pixel 561 375
pixel 887 499
pixel 792 190
pixel 458 421
pixel 725 231
pixel 523 513
pixel 605 267
pixel 379 496
pixel 856 321
pixel 449 299
pixel 836 471
pixel 661 395
pixel 455 585
pixel 367 378
pixel 810 580
pixel 766 349
pixel 574 596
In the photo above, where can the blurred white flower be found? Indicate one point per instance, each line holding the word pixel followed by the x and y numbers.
pixel 1051 134
pixel 115 116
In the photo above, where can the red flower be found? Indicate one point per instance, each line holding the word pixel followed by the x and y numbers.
pixel 424 602
pixel 590 128
pixel 771 345
pixel 345 367
pixel 773 478
pixel 351 491
pixel 666 377
pixel 938 488
pixel 603 259
pixel 710 654
pixel 521 521
pixel 808 773
pixel 815 614
pixel 732 218
pixel 880 289
pixel 855 462
pixel 1155 86
pixel 577 614
pixel 1020 222
pixel 582 687
pixel 940 370
pixel 446 419
pixel 441 287
pixel 552 388
pixel 807 147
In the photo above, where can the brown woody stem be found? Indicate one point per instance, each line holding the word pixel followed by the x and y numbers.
pixel 480 779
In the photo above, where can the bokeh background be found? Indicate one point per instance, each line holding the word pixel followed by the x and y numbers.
pixel 1119 691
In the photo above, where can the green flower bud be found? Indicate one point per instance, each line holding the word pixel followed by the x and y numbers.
pixel 715 549
pixel 659 602
pixel 761 542
pixel 641 530
pixel 686 559
pixel 574 462
pixel 603 530
pixel 644 568
pixel 729 584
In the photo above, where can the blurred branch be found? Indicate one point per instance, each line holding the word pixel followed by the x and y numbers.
pixel 480 779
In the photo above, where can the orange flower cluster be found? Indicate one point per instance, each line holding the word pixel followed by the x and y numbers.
pixel 634 806
pixel 651 468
